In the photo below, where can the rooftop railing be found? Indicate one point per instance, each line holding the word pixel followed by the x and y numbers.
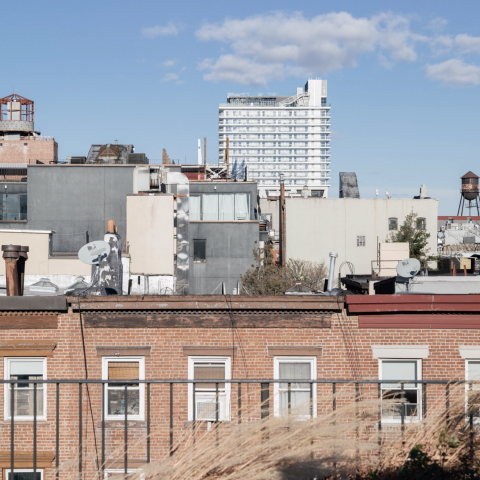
pixel 170 410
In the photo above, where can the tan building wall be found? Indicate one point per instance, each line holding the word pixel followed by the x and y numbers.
pixel 39 262
pixel 317 226
pixel 28 150
pixel 150 234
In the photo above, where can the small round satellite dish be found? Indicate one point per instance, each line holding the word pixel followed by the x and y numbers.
pixel 408 268
pixel 93 252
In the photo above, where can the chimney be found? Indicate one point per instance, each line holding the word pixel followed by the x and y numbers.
pixel 15 257
pixel 109 272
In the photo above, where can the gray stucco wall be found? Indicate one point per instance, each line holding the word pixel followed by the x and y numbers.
pixel 229 253
pixel 72 200
pixel 13 187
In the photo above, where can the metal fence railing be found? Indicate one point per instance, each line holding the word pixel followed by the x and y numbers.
pixel 72 404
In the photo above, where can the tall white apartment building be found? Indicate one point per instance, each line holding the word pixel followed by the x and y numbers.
pixel 271 136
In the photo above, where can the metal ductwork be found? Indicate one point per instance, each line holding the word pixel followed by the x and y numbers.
pixel 178 184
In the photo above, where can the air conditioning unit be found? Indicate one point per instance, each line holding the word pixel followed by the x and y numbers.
pixel 205 406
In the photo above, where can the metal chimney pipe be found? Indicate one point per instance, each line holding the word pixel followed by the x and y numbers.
pixel 11 254
pixel 224 288
pixel 331 272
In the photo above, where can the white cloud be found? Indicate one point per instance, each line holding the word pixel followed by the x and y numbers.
pixel 455 73
pixel 467 43
pixel 273 46
pixel 169 63
pixel 158 31
pixel 437 24
pixel 170 77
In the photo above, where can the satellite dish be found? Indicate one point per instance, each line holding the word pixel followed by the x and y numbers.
pixel 94 252
pixel 408 268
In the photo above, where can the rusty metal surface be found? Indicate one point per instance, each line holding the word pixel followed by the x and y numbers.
pixel 210 302
pixel 11 254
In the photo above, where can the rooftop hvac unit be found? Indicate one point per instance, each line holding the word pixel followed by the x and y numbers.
pixel 137 159
pixel 205 407
pixel 78 160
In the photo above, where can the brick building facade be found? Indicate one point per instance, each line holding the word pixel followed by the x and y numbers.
pixel 29 150
pixel 326 339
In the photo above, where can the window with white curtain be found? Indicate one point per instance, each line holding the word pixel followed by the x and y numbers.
pixel 302 396
pixel 242 206
pixel 195 207
pixel 220 206
pixel 226 206
pixel 210 206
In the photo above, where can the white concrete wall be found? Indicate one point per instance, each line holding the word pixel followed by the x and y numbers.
pixel 150 234
pixel 317 226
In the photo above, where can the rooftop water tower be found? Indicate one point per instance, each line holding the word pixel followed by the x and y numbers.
pixel 16 116
pixel 469 192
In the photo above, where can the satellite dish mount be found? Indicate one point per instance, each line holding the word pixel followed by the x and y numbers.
pixel 408 269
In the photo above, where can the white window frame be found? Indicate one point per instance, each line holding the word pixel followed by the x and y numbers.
pixel 407 419
pixel 23 470
pixel 7 393
pixel 228 387
pixel 276 376
pixel 141 374
pixel 476 419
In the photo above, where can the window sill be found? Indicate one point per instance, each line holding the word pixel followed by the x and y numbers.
pixel 25 422
pixel 121 423
pixel 13 221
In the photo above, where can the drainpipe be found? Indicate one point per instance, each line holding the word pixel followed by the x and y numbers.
pixel 11 254
pixel 331 272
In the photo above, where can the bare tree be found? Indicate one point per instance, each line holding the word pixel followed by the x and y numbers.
pixel 310 274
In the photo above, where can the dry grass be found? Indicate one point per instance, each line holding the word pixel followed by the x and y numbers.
pixel 343 444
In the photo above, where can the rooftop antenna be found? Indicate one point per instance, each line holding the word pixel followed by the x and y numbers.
pixel 407 269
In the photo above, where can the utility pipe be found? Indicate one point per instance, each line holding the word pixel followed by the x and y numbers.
pixel 331 272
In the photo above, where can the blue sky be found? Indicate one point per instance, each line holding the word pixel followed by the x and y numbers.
pixel 403 78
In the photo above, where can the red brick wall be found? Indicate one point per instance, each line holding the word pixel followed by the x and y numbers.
pixel 15 151
pixel 346 351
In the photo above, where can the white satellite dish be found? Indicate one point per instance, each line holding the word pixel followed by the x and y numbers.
pixel 94 252
pixel 408 268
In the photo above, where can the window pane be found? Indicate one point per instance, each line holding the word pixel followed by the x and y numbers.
pixel 195 204
pixel 23 400
pixel 213 371
pixel 210 207
pixel 13 207
pixel 2 201
pixel 26 368
pixel 116 402
pixel 24 476
pixel 242 206
pixel 393 408
pixel 291 371
pixel 23 207
pixel 300 403
pixel 226 204
pixel 199 250
pixel 399 370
